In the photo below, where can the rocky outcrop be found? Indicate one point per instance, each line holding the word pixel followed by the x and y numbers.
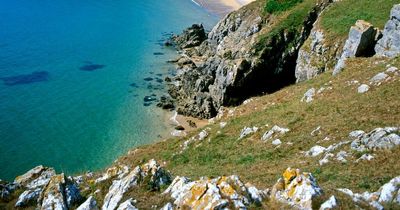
pixel 378 139
pixel 217 193
pixel 296 189
pixel 389 45
pixel 234 63
pixel 274 132
pixel 6 189
pixel 361 42
pixel 191 37
pixel 89 204
pixel 152 173
pixel 388 194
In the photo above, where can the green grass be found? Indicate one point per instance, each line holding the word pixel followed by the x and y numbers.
pixel 338 19
pixel 274 6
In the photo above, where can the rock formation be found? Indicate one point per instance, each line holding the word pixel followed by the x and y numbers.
pixel 389 45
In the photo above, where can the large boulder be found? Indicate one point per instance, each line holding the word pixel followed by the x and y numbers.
pixel 36 177
pixel 361 41
pixel 191 37
pixel 217 193
pixel 89 204
pixel 296 189
pixel 389 45
pixel 151 173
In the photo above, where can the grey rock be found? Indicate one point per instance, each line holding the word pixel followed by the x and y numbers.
pixel 89 204
pixel 36 177
pixel 363 88
pixel 276 142
pixel 127 205
pixel 28 197
pixel 247 131
pixel 378 139
pixel 53 195
pixel 191 37
pixel 361 42
pixel 276 130
pixel 389 44
pixel 6 189
pixel 378 78
pixel 308 96
pixel 167 206
pixel 330 204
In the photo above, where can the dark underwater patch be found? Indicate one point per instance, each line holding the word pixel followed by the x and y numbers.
pixel 158 53
pixel 148 99
pixel 91 67
pixel 37 76
pixel 134 85
pixel 148 79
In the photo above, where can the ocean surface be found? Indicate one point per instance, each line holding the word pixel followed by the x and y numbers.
pixel 74 75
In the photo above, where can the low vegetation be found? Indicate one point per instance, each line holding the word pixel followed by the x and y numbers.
pixel 274 6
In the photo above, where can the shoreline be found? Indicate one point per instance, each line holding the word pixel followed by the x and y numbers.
pixel 221 7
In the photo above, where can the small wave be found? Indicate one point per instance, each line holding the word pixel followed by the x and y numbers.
pixel 197 3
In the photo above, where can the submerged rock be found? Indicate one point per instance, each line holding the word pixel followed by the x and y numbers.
pixel 389 45
pixel 296 189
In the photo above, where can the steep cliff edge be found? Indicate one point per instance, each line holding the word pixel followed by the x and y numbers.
pixel 247 53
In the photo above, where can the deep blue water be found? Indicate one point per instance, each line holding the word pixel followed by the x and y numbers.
pixel 73 79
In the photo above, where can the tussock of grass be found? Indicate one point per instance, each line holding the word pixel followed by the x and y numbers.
pixel 273 6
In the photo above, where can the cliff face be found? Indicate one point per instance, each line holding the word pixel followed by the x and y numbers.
pixel 246 53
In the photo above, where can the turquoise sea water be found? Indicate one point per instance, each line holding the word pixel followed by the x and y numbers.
pixel 67 68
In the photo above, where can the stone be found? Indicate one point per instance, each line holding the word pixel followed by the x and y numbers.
pixel 330 204
pixel 367 157
pixel 89 204
pixel 157 177
pixel 378 78
pixel 191 37
pixel 341 156
pixel 392 69
pixel 315 151
pixel 216 193
pixel 53 195
pixel 36 177
pixel 297 189
pixel 168 206
pixel 389 44
pixel 119 171
pixel 356 134
pixel 276 130
pixel 6 189
pixel 378 139
pixel 326 158
pixel 276 142
pixel 308 96
pixel 222 124
pixel 247 131
pixel 28 197
pixel 363 88
pixel 127 205
pixel 361 42
pixel 316 131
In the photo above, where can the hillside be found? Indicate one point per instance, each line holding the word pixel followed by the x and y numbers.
pixel 323 136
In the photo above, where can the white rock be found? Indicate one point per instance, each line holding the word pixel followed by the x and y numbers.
pixel 341 156
pixel 392 69
pixel 363 88
pixel 316 131
pixel 330 204
pixel 222 124
pixel 378 78
pixel 276 142
pixel 367 157
pixel 247 131
pixel 89 204
pixel 326 158
pixel 308 96
pixel 389 191
pixel 28 196
pixel 315 151
pixel 178 133
pixel 274 130
pixel 167 206
pixel 127 205
pixel 356 134
pixel 202 135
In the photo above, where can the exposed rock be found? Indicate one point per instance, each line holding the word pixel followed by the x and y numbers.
pixel 247 131
pixel 53 195
pixel 127 205
pixel 330 204
pixel 367 157
pixel 28 197
pixel 378 78
pixel 316 131
pixel 166 103
pixel 119 171
pixel 326 158
pixel 89 204
pixel 191 37
pixel 178 133
pixel 276 142
pixel 222 124
pixel 215 193
pixel 389 45
pixel 275 131
pixel 168 206
pixel 361 42
pixel 296 189
pixel 308 96
pixel 392 69
pixel 151 172
pixel 363 88
pixel 232 65
pixel 36 177
pixel 388 194
pixel 341 156
pixel 379 138
pixel 199 137
pixel 315 151
pixel 6 189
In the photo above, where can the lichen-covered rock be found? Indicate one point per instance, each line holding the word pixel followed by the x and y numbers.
pixel 36 177
pixel 389 45
pixel 216 193
pixel 276 130
pixel 152 173
pixel 89 204
pixel 53 195
pixel 296 189
pixel 361 42
pixel 119 171
pixel 6 189
pixel 388 194
pixel 379 138
pixel 28 197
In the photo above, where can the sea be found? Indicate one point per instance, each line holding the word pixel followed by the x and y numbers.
pixel 79 79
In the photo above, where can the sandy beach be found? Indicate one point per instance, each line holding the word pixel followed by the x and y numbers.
pixel 221 7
